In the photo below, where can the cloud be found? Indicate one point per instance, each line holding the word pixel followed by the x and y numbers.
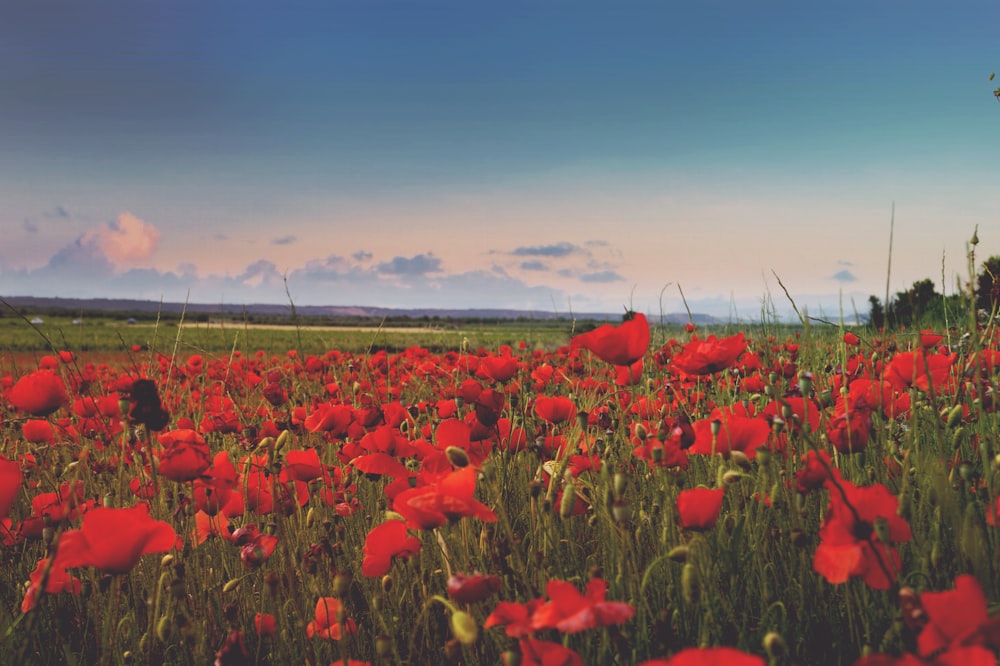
pixel 844 262
pixel 419 264
pixel 362 255
pixel 30 225
pixel 844 276
pixel 284 240
pixel 126 242
pixel 534 265
pixel 58 211
pixel 562 249
pixel 602 277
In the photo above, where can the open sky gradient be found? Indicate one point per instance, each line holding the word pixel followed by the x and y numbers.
pixel 557 156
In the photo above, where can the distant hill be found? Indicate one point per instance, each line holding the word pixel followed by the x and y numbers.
pixel 75 306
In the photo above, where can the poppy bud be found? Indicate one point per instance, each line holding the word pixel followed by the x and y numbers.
pixel 679 553
pixel 458 457
pixel 383 646
pixel 464 627
pixel 568 500
pixel 774 645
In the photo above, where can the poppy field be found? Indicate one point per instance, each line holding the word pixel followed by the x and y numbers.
pixel 629 495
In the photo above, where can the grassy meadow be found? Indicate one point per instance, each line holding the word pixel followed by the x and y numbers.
pixel 547 493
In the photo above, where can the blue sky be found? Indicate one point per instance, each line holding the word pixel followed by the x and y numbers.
pixel 567 156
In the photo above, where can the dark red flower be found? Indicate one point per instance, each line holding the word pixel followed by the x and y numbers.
pixel 145 406
pixel 10 484
pixel 56 581
pixel 467 589
pixel 619 345
pixel 303 465
pixel 384 543
pixel 39 393
pixel 699 508
pixel 113 540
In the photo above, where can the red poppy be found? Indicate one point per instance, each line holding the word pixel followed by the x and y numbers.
pixel 704 357
pixel 451 498
pixel 56 581
pixel 569 611
pixel 265 624
pixel 498 368
pixel 955 618
pixel 384 543
pixel 467 589
pixel 619 345
pixel 545 653
pixel 327 624
pixel 717 656
pixel 10 484
pixel 851 339
pixel 554 409
pixel 185 455
pixel 38 431
pixel 699 508
pixel 303 465
pixel 514 617
pixel 818 467
pixel 849 544
pixel 736 431
pixel 113 540
pixel 39 393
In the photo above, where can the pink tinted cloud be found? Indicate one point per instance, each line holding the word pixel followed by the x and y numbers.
pixel 127 242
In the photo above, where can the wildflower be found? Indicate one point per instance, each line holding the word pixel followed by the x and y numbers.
pixel 717 656
pixel 619 345
pixel 699 508
pixel 145 406
pixel 543 653
pixel 850 542
pixel 39 393
pixel 514 617
pixel 384 543
pixel 38 431
pixel 957 618
pixel 434 504
pixel 736 431
pixel 185 455
pixel 303 465
pixel 569 611
pixel 113 540
pixel 265 624
pixel 467 589
pixel 330 620
pixel 58 581
pixel 555 409
pixel 705 357
pixel 10 484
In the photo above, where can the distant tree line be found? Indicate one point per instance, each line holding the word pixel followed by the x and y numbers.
pixel 922 305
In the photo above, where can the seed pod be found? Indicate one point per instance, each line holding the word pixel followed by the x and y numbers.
pixel 679 553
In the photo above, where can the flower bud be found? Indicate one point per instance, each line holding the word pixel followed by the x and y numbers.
pixel 464 627
pixel 690 584
pixel 457 456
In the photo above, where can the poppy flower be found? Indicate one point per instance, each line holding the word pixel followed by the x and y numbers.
pixel 38 393
pixel 554 409
pixel 699 508
pixel 265 624
pixel 384 543
pixel 570 612
pixel 185 455
pixel 327 624
pixel 546 653
pixel 498 368
pixel 38 431
pixel 713 656
pixel 113 540
pixel 736 431
pixel 467 589
pixel 514 617
pixel 849 544
pixel 955 617
pixel 619 345
pixel 10 484
pixel 448 500
pixel 708 356
pixel 56 581
pixel 303 465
